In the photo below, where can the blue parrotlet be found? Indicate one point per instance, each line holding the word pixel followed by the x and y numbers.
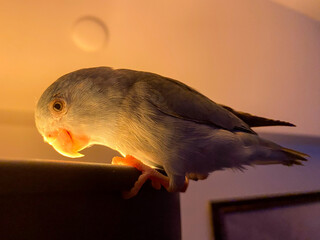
pixel 153 122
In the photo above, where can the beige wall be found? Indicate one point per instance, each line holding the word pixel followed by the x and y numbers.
pixel 253 55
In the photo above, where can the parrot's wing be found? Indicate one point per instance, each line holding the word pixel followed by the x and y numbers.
pixel 256 121
pixel 178 100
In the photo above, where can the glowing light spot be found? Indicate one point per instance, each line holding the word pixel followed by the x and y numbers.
pixel 90 33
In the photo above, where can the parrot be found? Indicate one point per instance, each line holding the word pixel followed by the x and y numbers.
pixel 167 130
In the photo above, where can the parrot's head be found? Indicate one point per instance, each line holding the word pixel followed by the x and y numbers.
pixel 67 110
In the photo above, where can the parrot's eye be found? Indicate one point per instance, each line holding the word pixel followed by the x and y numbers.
pixel 57 107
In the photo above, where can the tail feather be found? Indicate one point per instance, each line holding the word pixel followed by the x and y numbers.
pixel 253 150
pixel 295 156
pixel 290 157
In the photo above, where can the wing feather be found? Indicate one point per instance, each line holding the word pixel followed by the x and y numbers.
pixel 256 121
pixel 178 100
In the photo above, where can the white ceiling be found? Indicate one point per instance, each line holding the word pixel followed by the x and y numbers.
pixel 309 8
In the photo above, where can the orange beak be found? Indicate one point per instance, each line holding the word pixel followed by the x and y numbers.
pixel 66 143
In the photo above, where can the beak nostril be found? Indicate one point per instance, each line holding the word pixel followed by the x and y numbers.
pixel 49 137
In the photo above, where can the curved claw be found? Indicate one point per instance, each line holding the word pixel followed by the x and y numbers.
pixel 157 178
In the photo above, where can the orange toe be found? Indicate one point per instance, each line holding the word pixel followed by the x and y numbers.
pixel 147 172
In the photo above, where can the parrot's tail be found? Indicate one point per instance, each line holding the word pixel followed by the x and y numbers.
pixel 289 157
pixel 294 157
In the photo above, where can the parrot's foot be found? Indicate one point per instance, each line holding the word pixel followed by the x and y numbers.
pixel 157 178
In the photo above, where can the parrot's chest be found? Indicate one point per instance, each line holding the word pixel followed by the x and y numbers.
pixel 141 135
pixel 139 149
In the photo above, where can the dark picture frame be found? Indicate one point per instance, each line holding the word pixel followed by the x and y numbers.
pixel 290 216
